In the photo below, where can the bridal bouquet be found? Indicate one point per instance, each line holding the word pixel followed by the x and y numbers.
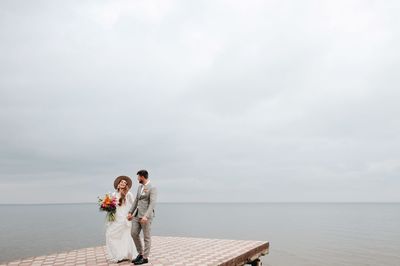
pixel 108 204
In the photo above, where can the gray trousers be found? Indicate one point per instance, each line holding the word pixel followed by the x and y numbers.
pixel 135 232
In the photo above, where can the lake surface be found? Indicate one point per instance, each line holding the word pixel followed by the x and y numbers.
pixel 299 233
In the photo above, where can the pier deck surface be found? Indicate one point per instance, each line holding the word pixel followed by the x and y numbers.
pixel 166 251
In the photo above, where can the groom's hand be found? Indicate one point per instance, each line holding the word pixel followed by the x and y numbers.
pixel 143 220
pixel 129 217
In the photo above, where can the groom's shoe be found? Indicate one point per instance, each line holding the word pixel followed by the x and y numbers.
pixel 139 257
pixel 141 261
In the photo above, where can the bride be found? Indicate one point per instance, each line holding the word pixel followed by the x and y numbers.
pixel 119 243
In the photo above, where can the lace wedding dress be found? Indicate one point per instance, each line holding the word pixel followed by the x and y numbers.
pixel 119 242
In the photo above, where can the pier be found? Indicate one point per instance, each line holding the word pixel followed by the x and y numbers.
pixel 167 251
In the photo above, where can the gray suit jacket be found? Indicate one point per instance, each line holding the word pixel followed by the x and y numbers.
pixel 144 202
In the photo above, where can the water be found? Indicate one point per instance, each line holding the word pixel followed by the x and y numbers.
pixel 299 233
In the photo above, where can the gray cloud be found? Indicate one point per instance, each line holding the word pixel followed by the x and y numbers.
pixel 221 101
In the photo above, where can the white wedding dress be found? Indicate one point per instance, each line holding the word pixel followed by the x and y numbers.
pixel 119 242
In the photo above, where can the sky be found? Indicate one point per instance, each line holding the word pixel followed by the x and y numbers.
pixel 221 101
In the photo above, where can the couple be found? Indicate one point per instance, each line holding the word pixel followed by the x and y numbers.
pixel 134 213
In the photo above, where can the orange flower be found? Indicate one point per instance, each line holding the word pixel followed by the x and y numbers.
pixel 107 201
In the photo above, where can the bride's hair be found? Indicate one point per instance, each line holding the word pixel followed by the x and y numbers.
pixel 123 193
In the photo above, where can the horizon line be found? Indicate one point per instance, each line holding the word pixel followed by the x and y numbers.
pixel 221 202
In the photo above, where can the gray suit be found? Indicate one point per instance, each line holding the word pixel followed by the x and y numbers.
pixel 143 206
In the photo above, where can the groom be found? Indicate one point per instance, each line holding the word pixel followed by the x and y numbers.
pixel 141 214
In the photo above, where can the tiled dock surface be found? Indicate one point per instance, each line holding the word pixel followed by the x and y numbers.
pixel 166 251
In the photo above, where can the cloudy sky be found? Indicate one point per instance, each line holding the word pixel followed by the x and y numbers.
pixel 222 101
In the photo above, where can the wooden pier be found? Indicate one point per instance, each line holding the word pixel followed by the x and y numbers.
pixel 167 251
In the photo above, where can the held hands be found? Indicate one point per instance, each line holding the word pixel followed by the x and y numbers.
pixel 142 220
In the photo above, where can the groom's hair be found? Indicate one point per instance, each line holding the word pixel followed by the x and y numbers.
pixel 143 173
